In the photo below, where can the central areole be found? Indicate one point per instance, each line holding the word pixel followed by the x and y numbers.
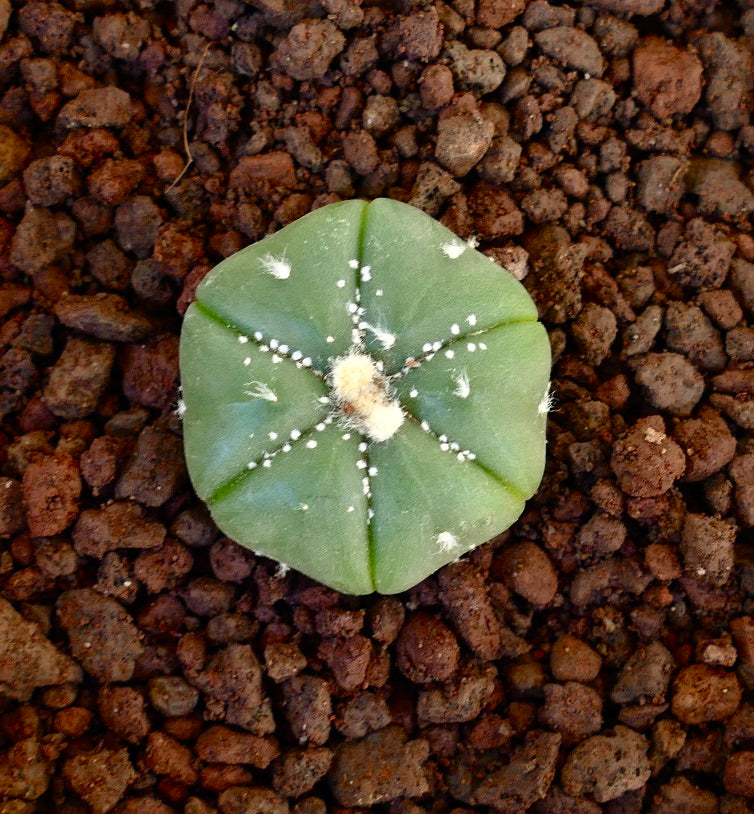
pixel 362 393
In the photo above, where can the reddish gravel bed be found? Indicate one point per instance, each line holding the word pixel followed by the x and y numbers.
pixel 598 656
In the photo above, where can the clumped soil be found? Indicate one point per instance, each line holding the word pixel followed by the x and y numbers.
pixel 598 656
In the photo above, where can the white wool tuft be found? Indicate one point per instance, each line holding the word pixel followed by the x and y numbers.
pixel 352 375
pixel 383 421
pixel 277 267
pixel 360 389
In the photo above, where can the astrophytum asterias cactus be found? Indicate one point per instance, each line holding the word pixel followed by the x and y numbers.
pixel 364 396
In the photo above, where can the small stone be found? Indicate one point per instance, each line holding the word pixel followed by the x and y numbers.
pixel 103 636
pixel 28 660
pixel 527 570
pixel 122 711
pixel 13 153
pixel 104 316
pixel 418 36
pixel 690 332
pixel 669 381
pixel 308 708
pixel 571 709
pixel 647 462
pixel 307 50
pixel 607 766
pixel 514 787
pixel 595 330
pixel 729 68
pixel 436 87
pixel 707 443
pixel 165 756
pixel 668 79
pixel 720 191
pixel 262 173
pixel 50 181
pixel 660 183
pixel 117 525
pixel 97 107
pixel 232 682
pixel 459 700
pixel 380 768
pixel 573 47
pixel 283 660
pixel 742 629
pixel 100 776
pixel 571 659
pixel 362 714
pixel 707 548
pixel 465 597
pixel 18 374
pixel 121 35
pixel 137 224
pixel 251 800
pixel 12 516
pixel 679 794
pixel 300 769
pixel 426 649
pixel 739 774
pixel 702 693
pixel 155 471
pixel 703 257
pixel 475 69
pixel 640 335
pixel 645 676
pixel 51 488
pixel 462 141
pixel 41 239
pixel 221 744
pixel 79 377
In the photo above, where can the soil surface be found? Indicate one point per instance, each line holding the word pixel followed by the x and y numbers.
pixel 599 656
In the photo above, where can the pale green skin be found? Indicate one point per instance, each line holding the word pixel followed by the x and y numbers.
pixel 425 507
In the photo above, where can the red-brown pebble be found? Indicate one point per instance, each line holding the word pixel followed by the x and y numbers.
pixel 647 462
pixel 165 756
pixel 668 79
pixel 702 693
pixel 466 600
pixel 221 744
pixel 739 774
pixel 426 649
pixel 528 571
pixel 571 659
pixel 122 711
pixel 51 490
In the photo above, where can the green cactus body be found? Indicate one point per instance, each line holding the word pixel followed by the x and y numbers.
pixel 364 396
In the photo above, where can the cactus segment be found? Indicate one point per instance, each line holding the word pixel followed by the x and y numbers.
pixel 427 286
pixel 307 509
pixel 430 507
pixel 298 287
pixel 237 395
pixel 364 396
pixel 463 391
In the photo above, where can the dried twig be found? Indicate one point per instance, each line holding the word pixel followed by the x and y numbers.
pixel 186 147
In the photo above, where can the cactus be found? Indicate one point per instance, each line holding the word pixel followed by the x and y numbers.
pixel 364 396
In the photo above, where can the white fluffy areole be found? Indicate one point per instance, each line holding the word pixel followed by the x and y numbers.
pixel 363 395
